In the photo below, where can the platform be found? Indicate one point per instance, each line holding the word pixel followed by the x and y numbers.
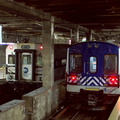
pixel 115 114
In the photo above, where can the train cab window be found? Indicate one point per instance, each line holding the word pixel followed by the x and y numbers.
pixel 110 64
pixel 26 59
pixel 76 63
pixel 11 59
pixel 93 64
pixel 39 60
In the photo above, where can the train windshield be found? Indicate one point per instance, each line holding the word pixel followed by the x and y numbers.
pixel 76 63
pixel 110 64
pixel 11 59
pixel 26 59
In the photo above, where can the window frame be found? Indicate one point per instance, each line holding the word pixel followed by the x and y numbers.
pixel 96 65
pixel 115 65
pixel 13 59
pixel 26 59
pixel 76 71
pixel 39 61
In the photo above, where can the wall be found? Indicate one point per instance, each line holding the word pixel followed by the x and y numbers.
pixel 38 101
pixel 58 94
pixel 13 110
pixel 35 105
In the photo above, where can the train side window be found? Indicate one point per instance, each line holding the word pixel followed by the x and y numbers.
pixel 93 64
pixel 63 61
pixel 110 64
pixel 76 63
pixel 11 59
pixel 26 59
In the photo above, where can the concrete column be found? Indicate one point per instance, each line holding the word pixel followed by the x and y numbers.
pixel 48 53
pixel 89 35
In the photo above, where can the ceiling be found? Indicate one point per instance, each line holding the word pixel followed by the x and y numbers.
pixel 25 16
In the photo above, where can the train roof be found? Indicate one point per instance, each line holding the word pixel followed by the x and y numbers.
pixel 94 46
pixel 97 42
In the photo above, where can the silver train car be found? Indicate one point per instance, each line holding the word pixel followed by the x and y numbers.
pixel 24 62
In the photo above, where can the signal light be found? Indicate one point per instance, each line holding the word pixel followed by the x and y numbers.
pixel 11 47
pixel 41 47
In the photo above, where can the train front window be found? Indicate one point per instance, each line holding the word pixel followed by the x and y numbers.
pixel 93 64
pixel 110 64
pixel 11 59
pixel 39 60
pixel 76 63
pixel 26 59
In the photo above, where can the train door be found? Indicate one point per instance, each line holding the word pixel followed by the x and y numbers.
pixel 25 65
pixel 90 65
pixel 93 70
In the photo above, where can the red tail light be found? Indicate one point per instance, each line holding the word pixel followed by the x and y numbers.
pixel 73 79
pixel 112 80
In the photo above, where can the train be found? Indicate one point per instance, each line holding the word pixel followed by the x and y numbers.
pixel 24 62
pixel 93 72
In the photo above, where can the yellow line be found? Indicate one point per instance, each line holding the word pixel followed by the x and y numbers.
pixel 2 68
pixel 92 89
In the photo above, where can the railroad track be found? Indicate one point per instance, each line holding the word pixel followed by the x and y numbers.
pixel 75 115
pixel 86 115
pixel 75 112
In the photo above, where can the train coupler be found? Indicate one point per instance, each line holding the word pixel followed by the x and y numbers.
pixel 91 98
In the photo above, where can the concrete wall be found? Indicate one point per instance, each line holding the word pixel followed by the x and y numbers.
pixel 13 110
pixel 38 103
pixel 58 94
pixel 35 105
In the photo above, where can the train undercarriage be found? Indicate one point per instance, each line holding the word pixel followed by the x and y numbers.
pixel 91 100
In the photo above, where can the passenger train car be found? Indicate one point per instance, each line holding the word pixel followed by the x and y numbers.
pixel 24 61
pixel 92 72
